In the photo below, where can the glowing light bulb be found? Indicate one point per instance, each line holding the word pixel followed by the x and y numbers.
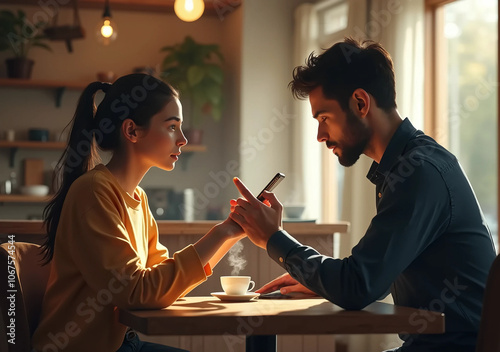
pixel 189 10
pixel 106 29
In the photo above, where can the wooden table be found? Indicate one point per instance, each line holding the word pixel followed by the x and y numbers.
pixel 262 319
pixel 178 227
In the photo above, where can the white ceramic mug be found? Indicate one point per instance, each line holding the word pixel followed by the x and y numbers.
pixel 10 135
pixel 236 285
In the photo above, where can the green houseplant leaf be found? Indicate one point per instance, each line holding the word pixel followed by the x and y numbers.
pixel 195 70
pixel 19 35
pixel 194 75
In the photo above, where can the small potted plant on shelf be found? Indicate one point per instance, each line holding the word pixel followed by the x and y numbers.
pixel 19 35
pixel 195 70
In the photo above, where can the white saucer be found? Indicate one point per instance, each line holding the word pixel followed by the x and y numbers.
pixel 225 297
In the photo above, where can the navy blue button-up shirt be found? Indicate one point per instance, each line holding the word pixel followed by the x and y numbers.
pixel 428 245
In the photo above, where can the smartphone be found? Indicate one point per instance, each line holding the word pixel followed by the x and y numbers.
pixel 278 295
pixel 274 295
pixel 271 185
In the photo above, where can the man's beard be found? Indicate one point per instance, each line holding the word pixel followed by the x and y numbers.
pixel 356 137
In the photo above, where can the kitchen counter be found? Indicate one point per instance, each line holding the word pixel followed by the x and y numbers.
pixel 173 228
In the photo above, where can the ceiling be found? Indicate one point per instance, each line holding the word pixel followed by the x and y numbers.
pixel 212 7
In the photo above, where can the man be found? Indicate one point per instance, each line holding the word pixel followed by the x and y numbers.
pixel 428 243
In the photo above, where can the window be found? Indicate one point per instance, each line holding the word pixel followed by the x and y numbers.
pixel 333 18
pixel 465 64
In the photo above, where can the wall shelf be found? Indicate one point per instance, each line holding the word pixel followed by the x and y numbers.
pixel 21 198
pixel 212 8
pixel 32 145
pixel 15 145
pixel 59 87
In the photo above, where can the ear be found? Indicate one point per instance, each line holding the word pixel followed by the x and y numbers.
pixel 360 102
pixel 129 130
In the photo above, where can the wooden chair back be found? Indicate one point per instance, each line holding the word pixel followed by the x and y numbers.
pixel 23 279
pixel 489 330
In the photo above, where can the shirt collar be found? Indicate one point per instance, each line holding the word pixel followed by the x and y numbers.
pixel 394 149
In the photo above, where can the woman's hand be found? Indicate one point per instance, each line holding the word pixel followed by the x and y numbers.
pixel 286 284
pixel 231 229
pixel 215 244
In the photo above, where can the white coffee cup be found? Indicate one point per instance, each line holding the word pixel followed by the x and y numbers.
pixel 236 285
pixel 10 135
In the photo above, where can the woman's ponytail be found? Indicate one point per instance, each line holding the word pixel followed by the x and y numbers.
pixel 80 156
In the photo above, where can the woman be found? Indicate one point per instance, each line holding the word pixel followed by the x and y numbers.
pixel 102 238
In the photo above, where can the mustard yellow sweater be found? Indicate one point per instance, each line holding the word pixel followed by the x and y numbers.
pixel 107 255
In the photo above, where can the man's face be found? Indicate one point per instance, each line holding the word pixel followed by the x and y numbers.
pixel 345 133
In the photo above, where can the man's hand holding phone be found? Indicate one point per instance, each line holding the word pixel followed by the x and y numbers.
pixel 259 220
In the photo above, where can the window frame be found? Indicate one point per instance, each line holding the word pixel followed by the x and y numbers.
pixel 435 119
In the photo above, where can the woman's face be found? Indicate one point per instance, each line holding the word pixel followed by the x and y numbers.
pixel 160 144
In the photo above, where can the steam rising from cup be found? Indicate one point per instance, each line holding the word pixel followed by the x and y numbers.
pixel 235 258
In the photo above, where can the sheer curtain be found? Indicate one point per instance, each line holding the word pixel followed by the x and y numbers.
pixel 398 26
pixel 400 29
pixel 315 170
pixel 307 152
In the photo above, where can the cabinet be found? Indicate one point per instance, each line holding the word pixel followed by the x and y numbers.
pixel 58 87
pixel 14 146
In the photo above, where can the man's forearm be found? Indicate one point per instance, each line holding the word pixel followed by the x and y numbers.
pixel 337 280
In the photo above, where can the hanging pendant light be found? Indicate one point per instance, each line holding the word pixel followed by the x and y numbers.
pixel 106 30
pixel 189 10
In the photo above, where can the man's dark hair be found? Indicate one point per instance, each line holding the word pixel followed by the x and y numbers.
pixel 345 67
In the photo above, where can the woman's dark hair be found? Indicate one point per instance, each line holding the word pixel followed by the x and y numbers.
pixel 137 97
pixel 345 67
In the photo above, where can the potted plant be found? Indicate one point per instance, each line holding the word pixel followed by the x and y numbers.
pixel 18 35
pixel 195 70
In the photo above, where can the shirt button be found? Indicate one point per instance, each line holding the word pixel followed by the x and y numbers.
pixel 379 195
pixel 281 259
